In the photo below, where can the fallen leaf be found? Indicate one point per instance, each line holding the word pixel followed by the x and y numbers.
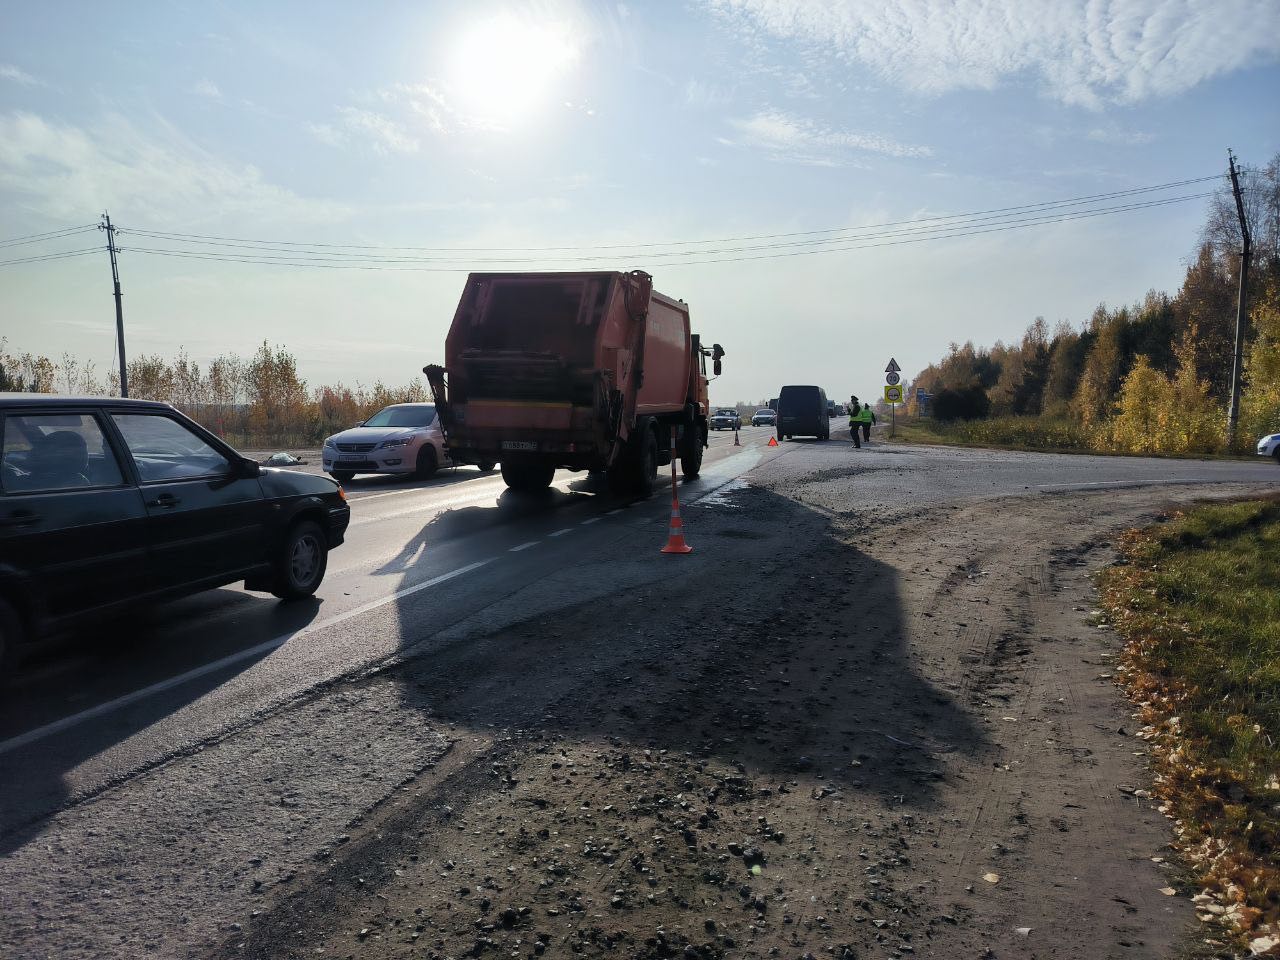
pixel 991 877
pixel 1022 931
pixel 1168 891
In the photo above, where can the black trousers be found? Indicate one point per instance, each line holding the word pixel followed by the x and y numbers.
pixel 866 432
pixel 853 432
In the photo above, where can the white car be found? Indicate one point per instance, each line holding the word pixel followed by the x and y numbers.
pixel 1269 446
pixel 403 438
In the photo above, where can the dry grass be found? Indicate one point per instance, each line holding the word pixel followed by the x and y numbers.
pixel 1198 603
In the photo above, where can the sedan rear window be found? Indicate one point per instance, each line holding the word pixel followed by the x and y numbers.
pixel 55 452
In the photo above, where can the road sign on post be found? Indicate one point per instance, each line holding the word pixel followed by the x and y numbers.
pixel 892 378
pixel 893 366
pixel 892 394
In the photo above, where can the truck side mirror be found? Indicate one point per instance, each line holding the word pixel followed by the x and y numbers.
pixel 717 352
pixel 716 367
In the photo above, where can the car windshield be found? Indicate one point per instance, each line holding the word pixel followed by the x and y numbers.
pixel 725 413
pixel 416 416
pixel 764 413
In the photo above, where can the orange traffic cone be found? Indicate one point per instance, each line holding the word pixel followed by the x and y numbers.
pixel 736 442
pixel 675 534
pixel 773 442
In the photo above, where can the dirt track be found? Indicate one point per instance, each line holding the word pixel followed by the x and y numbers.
pixel 868 733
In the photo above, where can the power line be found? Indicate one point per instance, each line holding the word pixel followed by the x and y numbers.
pixel 50 235
pixel 63 255
pixel 858 233
pixel 211 240
pixel 427 265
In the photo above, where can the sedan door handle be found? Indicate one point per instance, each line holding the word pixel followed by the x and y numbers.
pixel 20 518
pixel 164 500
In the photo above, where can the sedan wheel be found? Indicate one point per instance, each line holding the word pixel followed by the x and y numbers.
pixel 301 562
pixel 342 476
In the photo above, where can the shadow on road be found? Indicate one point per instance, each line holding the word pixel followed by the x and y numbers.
pixel 89 668
pixel 787 654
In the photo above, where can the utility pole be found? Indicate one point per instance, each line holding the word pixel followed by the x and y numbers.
pixel 115 279
pixel 1242 305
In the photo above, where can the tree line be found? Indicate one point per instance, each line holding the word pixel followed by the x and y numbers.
pixel 251 401
pixel 1151 376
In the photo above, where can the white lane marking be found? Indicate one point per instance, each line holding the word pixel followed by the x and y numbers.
pixel 524 546
pixel 1129 483
pixel 39 733
pixel 561 533
pixel 610 513
pixel 374 496
pixel 590 520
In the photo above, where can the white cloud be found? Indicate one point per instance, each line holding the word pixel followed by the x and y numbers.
pixel 9 72
pixel 207 88
pixel 801 140
pixel 702 95
pixel 1086 52
pixel 152 178
pixel 1119 136
pixel 380 133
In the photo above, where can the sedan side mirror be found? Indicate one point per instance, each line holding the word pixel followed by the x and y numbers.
pixel 248 468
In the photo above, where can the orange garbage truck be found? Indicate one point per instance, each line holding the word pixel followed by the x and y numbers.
pixel 580 371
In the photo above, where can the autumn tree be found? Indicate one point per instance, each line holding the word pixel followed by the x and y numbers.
pixel 1100 377
pixel 279 405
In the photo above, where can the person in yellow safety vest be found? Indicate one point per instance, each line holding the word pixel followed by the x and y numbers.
pixel 866 417
pixel 855 410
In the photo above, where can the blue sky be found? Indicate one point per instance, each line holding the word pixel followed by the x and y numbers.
pixel 482 125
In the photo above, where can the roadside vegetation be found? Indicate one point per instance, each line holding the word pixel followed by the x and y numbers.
pixel 1151 377
pixel 1197 601
pixel 254 401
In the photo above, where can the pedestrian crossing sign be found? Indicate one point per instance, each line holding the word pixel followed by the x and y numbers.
pixel 893 393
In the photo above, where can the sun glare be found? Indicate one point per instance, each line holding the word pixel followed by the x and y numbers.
pixel 505 68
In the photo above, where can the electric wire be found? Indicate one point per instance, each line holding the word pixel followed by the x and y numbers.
pixel 333 262
pixel 269 252
pixel 49 235
pixel 1042 205
pixel 61 255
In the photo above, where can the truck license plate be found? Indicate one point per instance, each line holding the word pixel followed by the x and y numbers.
pixel 519 445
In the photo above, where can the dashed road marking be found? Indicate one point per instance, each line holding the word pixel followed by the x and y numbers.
pixel 524 546
pixel 561 533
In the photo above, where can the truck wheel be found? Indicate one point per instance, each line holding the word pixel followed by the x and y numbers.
pixel 342 476
pixel 10 637
pixel 427 463
pixel 486 466
pixel 691 451
pixel 300 562
pixel 527 476
pixel 647 475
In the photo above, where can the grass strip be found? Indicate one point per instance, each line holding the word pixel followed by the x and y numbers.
pixel 1197 601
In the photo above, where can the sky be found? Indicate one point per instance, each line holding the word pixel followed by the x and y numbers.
pixel 417 141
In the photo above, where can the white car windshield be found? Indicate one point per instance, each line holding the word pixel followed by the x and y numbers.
pixel 422 416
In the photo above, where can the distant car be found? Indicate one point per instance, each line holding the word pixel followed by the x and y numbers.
pixel 404 438
pixel 107 503
pixel 726 418
pixel 764 418
pixel 1269 446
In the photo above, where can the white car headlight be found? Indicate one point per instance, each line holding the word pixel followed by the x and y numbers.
pixel 400 442
pixel 328 442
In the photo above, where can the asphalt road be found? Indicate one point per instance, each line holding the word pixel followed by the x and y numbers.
pixel 164 721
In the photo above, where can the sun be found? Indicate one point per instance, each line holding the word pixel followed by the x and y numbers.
pixel 506 68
